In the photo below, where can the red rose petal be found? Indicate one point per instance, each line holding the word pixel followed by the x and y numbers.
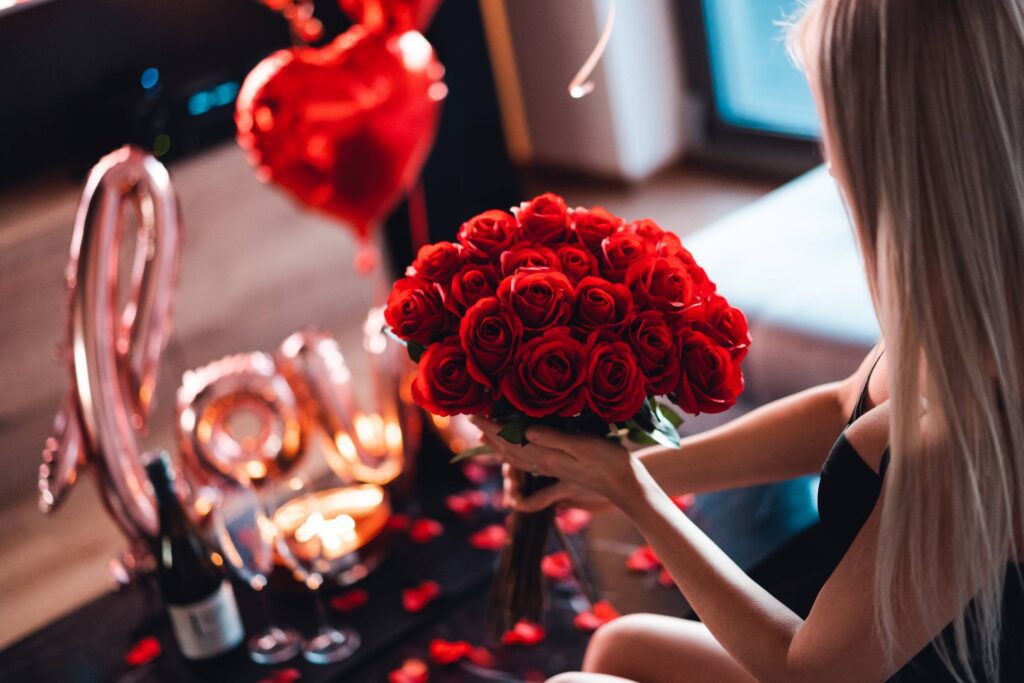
pixel 282 676
pixel 466 504
pixel 425 530
pixel 601 613
pixel 534 676
pixel 474 472
pixel 557 566
pixel 398 523
pixel 525 633
pixel 665 579
pixel 482 657
pixel 143 652
pixel 573 520
pixel 489 538
pixel 444 652
pixel 416 598
pixel 412 671
pixel 685 501
pixel 643 560
pixel 350 600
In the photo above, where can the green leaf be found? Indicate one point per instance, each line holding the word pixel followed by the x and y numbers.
pixel 391 333
pixel 659 429
pixel 416 351
pixel 645 418
pixel 470 453
pixel 640 437
pixel 514 431
pixel 669 413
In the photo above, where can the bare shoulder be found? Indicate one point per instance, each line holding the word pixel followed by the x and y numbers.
pixel 878 386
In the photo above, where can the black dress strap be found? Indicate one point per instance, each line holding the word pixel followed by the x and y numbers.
pixel 858 410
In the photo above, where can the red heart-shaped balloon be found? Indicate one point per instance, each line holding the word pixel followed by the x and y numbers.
pixel 391 14
pixel 346 127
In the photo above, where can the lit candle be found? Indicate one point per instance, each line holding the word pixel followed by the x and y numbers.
pixel 328 525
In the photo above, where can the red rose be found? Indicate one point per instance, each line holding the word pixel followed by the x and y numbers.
pixel 548 375
pixel 541 297
pixel 591 227
pixel 489 234
pixel 616 389
pixel 443 385
pixel 527 255
pixel 577 263
pixel 655 347
pixel 490 334
pixel 669 241
pixel 601 305
pixel 663 285
pixel 474 282
pixel 544 219
pixel 619 252
pixel 710 380
pixel 416 312
pixel 727 326
pixel 436 262
pixel 647 230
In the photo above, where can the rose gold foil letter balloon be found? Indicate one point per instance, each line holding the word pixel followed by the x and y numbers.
pixel 238 417
pixel 115 348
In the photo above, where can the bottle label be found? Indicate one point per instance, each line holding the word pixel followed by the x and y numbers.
pixel 209 627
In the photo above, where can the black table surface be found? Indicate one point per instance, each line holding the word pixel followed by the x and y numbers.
pixel 90 643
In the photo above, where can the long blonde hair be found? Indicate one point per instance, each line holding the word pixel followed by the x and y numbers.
pixel 923 104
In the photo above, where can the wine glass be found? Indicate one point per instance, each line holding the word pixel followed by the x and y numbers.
pixel 247 540
pixel 328 528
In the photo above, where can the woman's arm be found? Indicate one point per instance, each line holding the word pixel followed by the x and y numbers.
pixel 787 438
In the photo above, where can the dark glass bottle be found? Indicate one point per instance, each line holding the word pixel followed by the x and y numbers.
pixel 197 593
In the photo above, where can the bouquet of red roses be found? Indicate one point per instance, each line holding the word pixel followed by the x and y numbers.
pixel 571 318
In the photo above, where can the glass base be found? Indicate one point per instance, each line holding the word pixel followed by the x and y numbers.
pixel 331 645
pixel 274 645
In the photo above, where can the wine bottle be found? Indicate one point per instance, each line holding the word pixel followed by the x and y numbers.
pixel 196 591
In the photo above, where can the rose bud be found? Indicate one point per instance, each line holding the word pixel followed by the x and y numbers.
pixel 436 262
pixel 619 252
pixel 548 375
pixel 577 263
pixel 545 220
pixel 416 312
pixel 663 285
pixel 443 385
pixel 616 388
pixel 601 305
pixel 726 325
pixel 474 282
pixel 647 230
pixel 655 347
pixel 527 255
pixel 490 334
pixel 489 234
pixel 710 380
pixel 591 227
pixel 541 297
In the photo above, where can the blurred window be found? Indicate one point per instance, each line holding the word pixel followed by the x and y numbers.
pixel 755 85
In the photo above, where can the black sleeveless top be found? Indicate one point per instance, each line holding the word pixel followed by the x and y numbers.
pixel 847 493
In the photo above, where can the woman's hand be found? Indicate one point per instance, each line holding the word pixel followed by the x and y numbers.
pixel 590 463
pixel 561 492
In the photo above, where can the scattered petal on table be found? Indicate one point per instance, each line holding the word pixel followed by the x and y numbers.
pixel 643 560
pixel 601 613
pixel 398 523
pixel 557 566
pixel 665 579
pixel 444 652
pixel 685 501
pixel 524 633
pixel 143 652
pixel 466 504
pixel 350 600
pixel 425 530
pixel 416 598
pixel 282 676
pixel 573 520
pixel 474 472
pixel 411 671
pixel 482 657
pixel 489 538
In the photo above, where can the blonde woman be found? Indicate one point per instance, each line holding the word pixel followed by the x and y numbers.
pixel 922 103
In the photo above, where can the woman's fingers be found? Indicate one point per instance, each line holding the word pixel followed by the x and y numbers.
pixel 554 439
pixel 544 498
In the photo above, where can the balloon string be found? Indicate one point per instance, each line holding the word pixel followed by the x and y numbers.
pixel 419 224
pixel 580 85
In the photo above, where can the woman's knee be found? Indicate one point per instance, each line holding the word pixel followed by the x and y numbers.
pixel 613 646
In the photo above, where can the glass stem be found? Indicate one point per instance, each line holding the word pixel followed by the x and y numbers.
pixel 268 612
pixel 321 611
